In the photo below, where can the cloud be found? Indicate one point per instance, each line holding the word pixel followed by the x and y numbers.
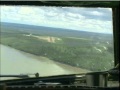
pixel 96 13
pixel 26 10
pixel 87 19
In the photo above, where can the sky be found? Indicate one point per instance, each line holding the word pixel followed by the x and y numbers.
pixel 75 18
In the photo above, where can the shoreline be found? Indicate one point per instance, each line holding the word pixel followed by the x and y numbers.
pixel 47 60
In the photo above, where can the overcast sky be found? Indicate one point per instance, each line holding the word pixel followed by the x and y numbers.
pixel 86 19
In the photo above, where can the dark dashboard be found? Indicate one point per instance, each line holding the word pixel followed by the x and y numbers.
pixel 89 81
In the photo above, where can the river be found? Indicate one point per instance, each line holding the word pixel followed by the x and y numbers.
pixel 13 61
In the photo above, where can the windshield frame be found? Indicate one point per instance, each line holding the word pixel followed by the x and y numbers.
pixel 106 4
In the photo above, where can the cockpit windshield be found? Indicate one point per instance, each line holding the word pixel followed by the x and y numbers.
pixel 55 40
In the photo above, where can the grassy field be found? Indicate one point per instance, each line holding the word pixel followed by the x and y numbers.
pixel 92 51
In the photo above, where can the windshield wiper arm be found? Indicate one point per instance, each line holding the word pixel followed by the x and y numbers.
pixel 19 76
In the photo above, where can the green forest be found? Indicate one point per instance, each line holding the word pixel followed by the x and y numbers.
pixel 89 51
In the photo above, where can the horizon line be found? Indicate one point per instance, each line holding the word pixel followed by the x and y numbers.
pixel 56 27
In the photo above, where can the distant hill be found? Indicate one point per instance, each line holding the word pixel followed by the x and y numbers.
pixel 41 30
